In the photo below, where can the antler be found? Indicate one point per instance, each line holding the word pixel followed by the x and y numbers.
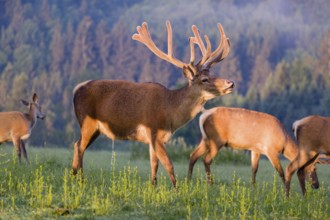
pixel 209 59
pixel 144 37
pixel 198 40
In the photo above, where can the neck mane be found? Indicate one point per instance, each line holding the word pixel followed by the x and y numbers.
pixel 185 103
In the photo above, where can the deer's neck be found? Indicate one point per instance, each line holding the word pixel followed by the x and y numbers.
pixel 185 105
pixel 291 149
pixel 31 116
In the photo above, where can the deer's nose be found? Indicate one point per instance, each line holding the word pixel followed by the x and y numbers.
pixel 230 83
pixel 315 185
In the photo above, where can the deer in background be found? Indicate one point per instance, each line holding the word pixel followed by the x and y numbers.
pixel 244 129
pixel 16 126
pixel 149 112
pixel 313 139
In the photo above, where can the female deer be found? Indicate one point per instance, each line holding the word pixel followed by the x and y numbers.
pixel 244 129
pixel 16 127
pixel 313 138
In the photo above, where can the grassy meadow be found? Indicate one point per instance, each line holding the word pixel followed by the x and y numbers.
pixel 117 186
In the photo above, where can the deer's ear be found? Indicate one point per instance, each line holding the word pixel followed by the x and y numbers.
pixel 25 102
pixel 35 98
pixel 188 73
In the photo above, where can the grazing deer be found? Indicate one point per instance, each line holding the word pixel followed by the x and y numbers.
pixel 16 127
pixel 244 129
pixel 313 139
pixel 149 112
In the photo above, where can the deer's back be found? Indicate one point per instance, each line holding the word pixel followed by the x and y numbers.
pixel 118 99
pixel 245 129
pixel 314 132
pixel 13 124
pixel 122 107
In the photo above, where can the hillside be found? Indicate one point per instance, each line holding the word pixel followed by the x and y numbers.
pixel 279 56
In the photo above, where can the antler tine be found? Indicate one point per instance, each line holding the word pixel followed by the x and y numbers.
pixel 206 52
pixel 198 38
pixel 221 52
pixel 192 41
pixel 169 39
pixel 144 37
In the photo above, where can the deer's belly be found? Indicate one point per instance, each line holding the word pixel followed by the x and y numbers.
pixel 26 136
pixel 9 137
pixel 138 133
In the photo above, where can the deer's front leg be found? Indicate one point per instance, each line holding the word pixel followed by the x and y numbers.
pixel 153 165
pixel 255 164
pixel 17 143
pixel 295 165
pixel 161 154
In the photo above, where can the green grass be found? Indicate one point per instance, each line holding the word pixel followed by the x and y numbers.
pixel 118 187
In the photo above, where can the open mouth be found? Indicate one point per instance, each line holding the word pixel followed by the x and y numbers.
pixel 229 89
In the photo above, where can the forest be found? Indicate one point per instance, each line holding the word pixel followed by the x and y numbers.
pixel 279 58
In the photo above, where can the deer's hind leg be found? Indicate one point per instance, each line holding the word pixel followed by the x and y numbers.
pixel 89 132
pixel 213 149
pixel 297 164
pixel 275 161
pixel 197 153
pixel 24 152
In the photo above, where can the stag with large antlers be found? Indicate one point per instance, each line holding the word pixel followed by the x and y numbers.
pixel 149 112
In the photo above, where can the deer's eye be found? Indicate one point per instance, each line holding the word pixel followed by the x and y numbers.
pixel 205 80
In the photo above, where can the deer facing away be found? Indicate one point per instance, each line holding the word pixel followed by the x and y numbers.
pixel 16 126
pixel 313 139
pixel 244 129
pixel 149 112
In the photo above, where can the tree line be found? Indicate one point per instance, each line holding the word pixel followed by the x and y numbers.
pixel 279 55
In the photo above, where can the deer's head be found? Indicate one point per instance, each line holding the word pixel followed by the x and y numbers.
pixel 198 75
pixel 34 106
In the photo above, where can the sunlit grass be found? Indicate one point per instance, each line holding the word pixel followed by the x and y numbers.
pixel 117 187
